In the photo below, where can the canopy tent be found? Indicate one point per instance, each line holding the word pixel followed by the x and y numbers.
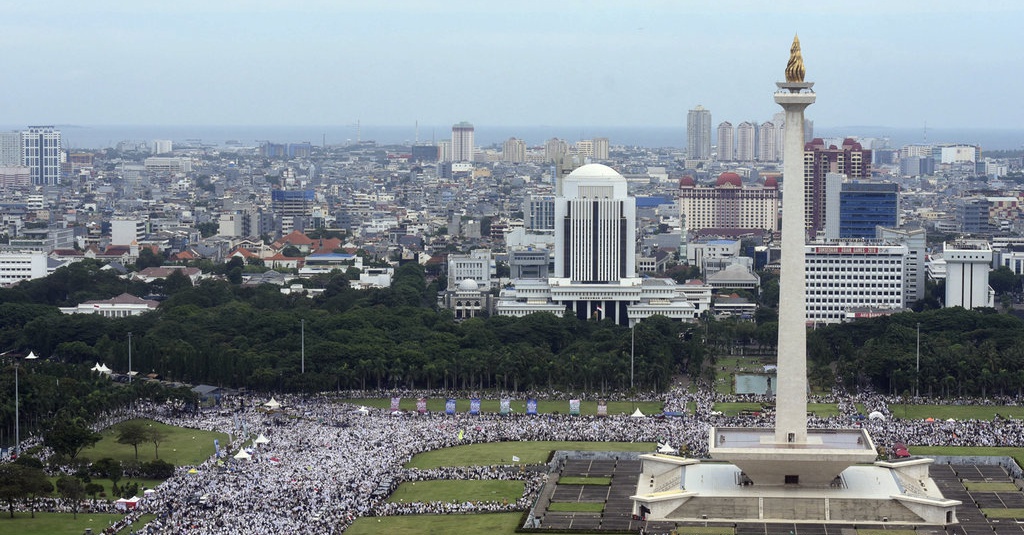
pixel 272 404
pixel 363 411
pixel 127 504
pixel 261 440
pixel 31 356
pixel 875 415
pixel 637 414
pixel 667 449
pixel 243 455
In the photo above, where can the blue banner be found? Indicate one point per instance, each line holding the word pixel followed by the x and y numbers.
pixel 531 406
pixel 449 406
pixel 216 447
pixel 474 406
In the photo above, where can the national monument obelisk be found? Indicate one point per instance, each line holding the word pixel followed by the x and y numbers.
pixel 794 95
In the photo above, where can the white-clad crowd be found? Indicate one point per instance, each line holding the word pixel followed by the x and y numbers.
pixel 326 465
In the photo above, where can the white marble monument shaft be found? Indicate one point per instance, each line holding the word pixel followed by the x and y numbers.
pixel 791 392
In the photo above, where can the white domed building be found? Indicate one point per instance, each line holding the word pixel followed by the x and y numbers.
pixel 595 259
pixel 468 300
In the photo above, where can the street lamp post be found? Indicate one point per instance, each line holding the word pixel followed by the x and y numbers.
pixel 129 356
pixel 632 353
pixel 303 342
pixel 17 422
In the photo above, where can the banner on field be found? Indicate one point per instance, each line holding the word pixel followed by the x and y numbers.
pixel 602 408
pixel 506 406
pixel 421 405
pixel 394 404
pixel 474 406
pixel 449 406
pixel 531 406
pixel 216 447
pixel 574 407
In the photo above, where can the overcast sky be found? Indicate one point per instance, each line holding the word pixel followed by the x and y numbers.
pixel 516 63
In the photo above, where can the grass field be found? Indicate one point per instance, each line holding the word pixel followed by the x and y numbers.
pixel 990 486
pixel 108 486
pixel 181 446
pixel 990 451
pixel 502 452
pixel 576 507
pixel 572 480
pixel 956 412
pixel 54 523
pixel 458 491
pixel 1003 513
pixel 518 406
pixel 491 524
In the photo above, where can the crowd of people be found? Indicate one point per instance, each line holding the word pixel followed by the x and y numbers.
pixel 327 463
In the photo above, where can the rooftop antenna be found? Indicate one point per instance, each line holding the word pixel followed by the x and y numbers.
pixel 926 132
pixel 416 141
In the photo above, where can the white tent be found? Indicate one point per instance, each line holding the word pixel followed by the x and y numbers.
pixel 667 449
pixel 96 368
pixel 272 404
pixel 637 414
pixel 261 440
pixel 31 356
pixel 243 455
pixel 875 415
pixel 362 411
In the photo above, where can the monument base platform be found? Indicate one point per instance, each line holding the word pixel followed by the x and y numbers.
pixel 679 489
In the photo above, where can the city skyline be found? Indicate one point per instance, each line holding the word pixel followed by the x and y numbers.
pixel 604 63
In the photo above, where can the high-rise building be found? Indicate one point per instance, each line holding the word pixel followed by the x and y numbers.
pixel 729 204
pixel 698 134
pixel 162 146
pixel 10 149
pixel 554 149
pixel 914 265
pixel 584 149
pixel 725 142
pixel 595 227
pixel 766 143
pixel 513 151
pixel 40 151
pixel 539 213
pixel 967 265
pixel 819 160
pixel 835 288
pixel 601 148
pixel 462 142
pixel 866 205
pixel 746 135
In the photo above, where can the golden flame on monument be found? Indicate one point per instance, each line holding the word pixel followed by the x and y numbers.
pixel 795 67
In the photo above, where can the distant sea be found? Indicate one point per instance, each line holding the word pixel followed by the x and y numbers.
pixel 102 136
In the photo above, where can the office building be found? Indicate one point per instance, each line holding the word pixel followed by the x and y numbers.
pixel 729 204
pixel 16 266
pixel 862 206
pixel 849 275
pixel 162 146
pixel 973 215
pixel 725 142
pixel 698 134
pixel 914 267
pixel 539 213
pixel 127 231
pixel 594 274
pixel 40 151
pixel 555 149
pixel 462 142
pixel 967 265
pixel 10 149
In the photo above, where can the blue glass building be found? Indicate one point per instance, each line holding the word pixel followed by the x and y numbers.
pixel 862 206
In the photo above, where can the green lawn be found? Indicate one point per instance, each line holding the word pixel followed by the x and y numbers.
pixel 502 452
pixel 182 446
pixel 1003 513
pixel 571 480
pixel 956 412
pixel 458 491
pixel 990 486
pixel 518 406
pixel 108 486
pixel 491 524
pixel 1016 453
pixel 576 507
pixel 57 523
